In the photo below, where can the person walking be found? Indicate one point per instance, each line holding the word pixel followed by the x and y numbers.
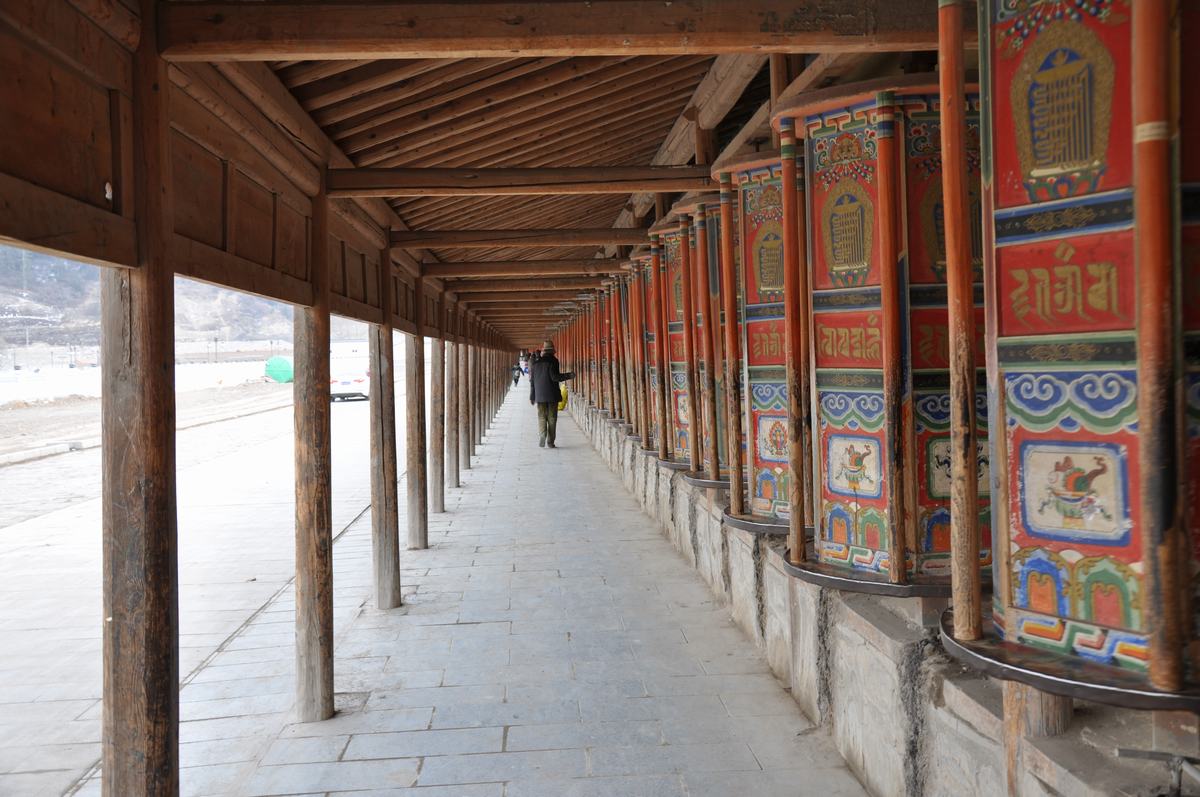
pixel 516 374
pixel 544 377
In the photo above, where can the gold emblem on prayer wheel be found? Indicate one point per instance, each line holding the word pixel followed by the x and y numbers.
pixel 933 229
pixel 849 221
pixel 769 253
pixel 1062 101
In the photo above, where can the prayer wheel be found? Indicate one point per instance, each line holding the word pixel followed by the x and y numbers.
pixel 753 184
pixel 647 340
pixel 673 246
pixel 1090 208
pixel 881 412
pixel 702 213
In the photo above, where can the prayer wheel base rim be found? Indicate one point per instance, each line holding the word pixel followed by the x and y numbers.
pixel 846 580
pixel 697 479
pixel 755 524
pixel 1059 675
pixel 671 464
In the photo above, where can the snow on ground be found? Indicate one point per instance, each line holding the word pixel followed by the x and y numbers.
pixel 50 383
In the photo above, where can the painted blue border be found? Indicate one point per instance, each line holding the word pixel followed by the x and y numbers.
pixel 1122 474
pixel 829 465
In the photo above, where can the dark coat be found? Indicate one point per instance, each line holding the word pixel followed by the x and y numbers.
pixel 544 377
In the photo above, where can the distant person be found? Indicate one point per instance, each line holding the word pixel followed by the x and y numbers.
pixel 544 377
pixel 516 374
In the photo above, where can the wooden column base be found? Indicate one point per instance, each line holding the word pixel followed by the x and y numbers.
pixel 1030 712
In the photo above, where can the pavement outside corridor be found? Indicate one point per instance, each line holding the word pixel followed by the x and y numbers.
pixel 552 643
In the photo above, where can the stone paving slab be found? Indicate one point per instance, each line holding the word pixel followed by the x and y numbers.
pixel 552 643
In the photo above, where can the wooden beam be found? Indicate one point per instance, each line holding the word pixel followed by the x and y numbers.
pixel 559 295
pixel 487 239
pixel 391 182
pixel 255 31
pixel 514 313
pixel 523 268
pixel 488 286
pixel 140 721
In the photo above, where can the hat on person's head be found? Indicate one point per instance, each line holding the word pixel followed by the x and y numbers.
pixel 548 345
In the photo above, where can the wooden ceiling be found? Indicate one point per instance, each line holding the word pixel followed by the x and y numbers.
pixel 492 112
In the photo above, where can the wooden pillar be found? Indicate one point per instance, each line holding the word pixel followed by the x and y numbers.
pixel 1164 546
pixel 314 499
pixel 659 286
pixel 795 304
pixel 385 517
pixel 888 237
pixel 616 357
pixel 707 332
pixel 477 392
pixel 140 752
pixel 1029 713
pixel 415 451
pixel 779 79
pixel 964 476
pixel 689 346
pixel 733 391
pixel 451 417
pixel 437 418
pixel 598 322
pixel 480 391
pixel 463 399
pixel 637 340
pixel 623 354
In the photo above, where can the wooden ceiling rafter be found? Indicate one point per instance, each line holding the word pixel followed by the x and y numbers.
pixel 522 93
pixel 525 215
pixel 440 208
pixel 613 205
pixel 345 85
pixel 453 79
pixel 645 96
pixel 566 106
pixel 299 73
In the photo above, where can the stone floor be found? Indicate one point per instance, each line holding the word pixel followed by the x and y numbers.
pixel 552 643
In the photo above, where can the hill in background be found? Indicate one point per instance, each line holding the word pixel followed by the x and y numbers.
pixel 56 301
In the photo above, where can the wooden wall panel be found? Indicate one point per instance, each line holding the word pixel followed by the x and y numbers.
pixel 198 177
pixel 291 241
pixel 356 267
pixel 354 271
pixel 253 219
pixel 64 99
pixel 222 183
pixel 58 128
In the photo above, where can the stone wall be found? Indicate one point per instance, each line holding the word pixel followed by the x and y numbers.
pixel 907 719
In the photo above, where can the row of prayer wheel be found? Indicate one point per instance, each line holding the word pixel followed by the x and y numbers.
pixel 943 340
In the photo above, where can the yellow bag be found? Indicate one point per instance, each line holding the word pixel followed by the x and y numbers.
pixel 562 391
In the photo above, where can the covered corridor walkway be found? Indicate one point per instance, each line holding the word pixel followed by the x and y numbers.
pixel 878 312
pixel 552 642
